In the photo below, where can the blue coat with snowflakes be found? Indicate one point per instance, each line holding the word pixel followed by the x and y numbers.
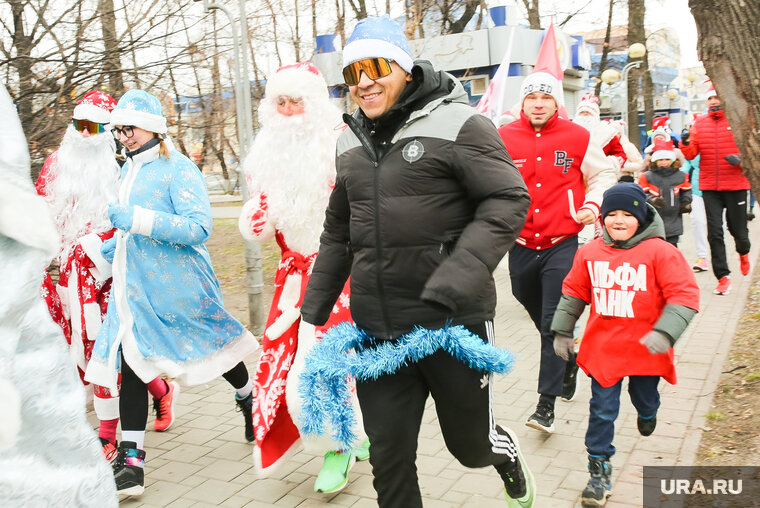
pixel 166 313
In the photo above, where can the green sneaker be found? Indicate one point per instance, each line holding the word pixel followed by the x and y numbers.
pixel 362 452
pixel 334 473
pixel 519 485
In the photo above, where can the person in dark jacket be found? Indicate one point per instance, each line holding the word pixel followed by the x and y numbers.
pixel 724 187
pixel 426 203
pixel 667 188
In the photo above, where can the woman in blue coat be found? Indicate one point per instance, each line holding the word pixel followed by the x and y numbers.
pixel 165 315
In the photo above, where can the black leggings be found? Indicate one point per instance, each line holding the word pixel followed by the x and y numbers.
pixel 133 400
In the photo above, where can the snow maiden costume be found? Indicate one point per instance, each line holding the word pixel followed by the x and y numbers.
pixel 49 455
pixel 166 313
pixel 291 172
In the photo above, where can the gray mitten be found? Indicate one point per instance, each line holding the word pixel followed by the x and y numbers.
pixel 733 159
pixel 656 342
pixel 564 346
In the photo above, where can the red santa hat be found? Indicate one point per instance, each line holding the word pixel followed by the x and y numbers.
pixel 589 103
pixel 547 74
pixel 297 80
pixel 660 121
pixel 663 149
pixel 710 91
pixel 95 106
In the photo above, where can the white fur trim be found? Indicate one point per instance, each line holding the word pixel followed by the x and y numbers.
pixel 10 423
pixel 91 244
pixel 76 348
pixel 92 320
pixel 603 134
pixel 106 409
pixel 259 471
pixel 323 443
pixel 588 107
pixel 142 221
pixel 283 322
pixel 287 304
pixel 63 295
pixel 141 119
pixel 24 216
pixel 296 83
pixel 663 154
pixel 245 223
pixel 92 113
pixel 375 48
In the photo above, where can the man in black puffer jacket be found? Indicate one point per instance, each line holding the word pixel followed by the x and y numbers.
pixel 426 203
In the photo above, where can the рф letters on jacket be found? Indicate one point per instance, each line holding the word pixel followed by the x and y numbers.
pixel 429 219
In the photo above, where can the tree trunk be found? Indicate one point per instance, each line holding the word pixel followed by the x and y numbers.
pixel 217 105
pixel 636 10
pixel 297 34
pixel 23 64
pixel 648 93
pixel 729 45
pixel 533 16
pixel 314 20
pixel 112 56
pixel 605 50
pixel 470 7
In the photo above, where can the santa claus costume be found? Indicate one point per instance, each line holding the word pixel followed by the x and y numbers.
pixel 49 456
pixel 290 173
pixel 78 181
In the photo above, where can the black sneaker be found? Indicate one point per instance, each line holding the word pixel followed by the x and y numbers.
pixel 542 419
pixel 599 486
pixel 245 406
pixel 570 383
pixel 518 480
pixel 128 470
pixel 646 426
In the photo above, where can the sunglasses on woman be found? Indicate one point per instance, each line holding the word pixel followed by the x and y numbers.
pixel 374 68
pixel 92 127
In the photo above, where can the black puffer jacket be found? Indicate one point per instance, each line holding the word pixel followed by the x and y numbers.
pixel 426 203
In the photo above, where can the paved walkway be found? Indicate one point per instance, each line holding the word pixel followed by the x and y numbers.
pixel 203 460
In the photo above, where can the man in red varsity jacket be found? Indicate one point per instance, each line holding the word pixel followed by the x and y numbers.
pixel 566 174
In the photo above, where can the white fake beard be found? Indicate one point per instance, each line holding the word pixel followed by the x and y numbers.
pixel 292 162
pixel 587 122
pixel 84 181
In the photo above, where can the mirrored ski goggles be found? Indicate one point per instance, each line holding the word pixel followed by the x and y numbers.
pixel 374 68
pixel 92 127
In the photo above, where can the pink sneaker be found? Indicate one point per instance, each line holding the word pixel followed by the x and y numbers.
pixel 164 408
pixel 701 265
pixel 724 286
pixel 744 264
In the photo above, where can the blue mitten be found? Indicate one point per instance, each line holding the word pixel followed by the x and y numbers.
pixel 121 216
pixel 108 248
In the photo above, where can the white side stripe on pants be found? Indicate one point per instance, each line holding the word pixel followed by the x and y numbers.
pixel 500 443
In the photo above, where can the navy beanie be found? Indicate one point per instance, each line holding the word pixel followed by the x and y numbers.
pixel 625 196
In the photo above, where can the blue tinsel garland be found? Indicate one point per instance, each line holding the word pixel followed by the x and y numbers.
pixel 346 351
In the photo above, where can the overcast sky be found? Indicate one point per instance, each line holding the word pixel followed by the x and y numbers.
pixel 659 14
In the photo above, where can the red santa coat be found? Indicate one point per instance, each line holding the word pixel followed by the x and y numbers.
pixel 557 163
pixel 627 290
pixel 79 301
pixel 284 336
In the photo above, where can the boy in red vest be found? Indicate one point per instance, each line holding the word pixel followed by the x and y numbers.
pixel 643 294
